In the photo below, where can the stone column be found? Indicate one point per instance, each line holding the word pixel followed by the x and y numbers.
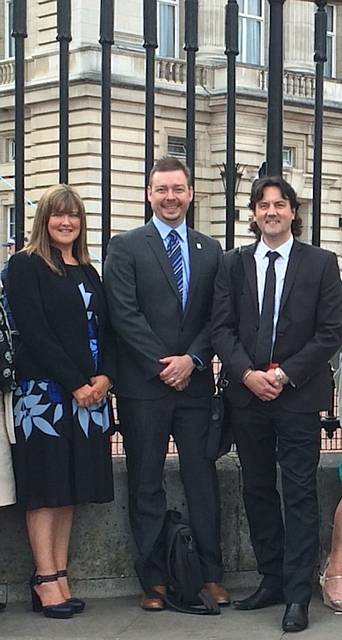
pixel 211 19
pixel 299 35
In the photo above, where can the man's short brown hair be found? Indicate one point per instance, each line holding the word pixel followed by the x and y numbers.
pixel 169 163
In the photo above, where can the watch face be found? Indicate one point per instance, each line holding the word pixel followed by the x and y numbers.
pixel 278 375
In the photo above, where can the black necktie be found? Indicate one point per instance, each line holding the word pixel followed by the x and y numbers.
pixel 263 352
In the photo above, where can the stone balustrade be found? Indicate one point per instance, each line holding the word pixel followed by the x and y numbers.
pixel 173 70
pixel 298 85
pixel 7 71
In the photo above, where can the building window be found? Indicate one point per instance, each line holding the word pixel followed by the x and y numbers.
pixel 288 157
pixel 10 150
pixel 9 40
pixel 251 24
pixel 10 222
pixel 330 65
pixel 176 147
pixel 168 28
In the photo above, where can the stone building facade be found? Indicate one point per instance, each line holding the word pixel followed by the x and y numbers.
pixel 128 109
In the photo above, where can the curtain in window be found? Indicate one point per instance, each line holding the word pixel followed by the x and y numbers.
pixel 328 65
pixel 254 7
pixel 249 41
pixel 250 7
pixel 11 43
pixel 253 41
pixel 166 31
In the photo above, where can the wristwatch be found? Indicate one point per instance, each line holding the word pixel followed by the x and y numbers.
pixel 280 376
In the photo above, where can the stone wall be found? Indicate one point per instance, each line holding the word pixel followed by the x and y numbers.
pixel 102 550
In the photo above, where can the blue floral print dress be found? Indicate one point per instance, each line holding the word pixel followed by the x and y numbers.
pixel 62 451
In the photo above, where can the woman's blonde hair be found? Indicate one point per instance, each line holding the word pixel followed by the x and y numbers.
pixel 58 198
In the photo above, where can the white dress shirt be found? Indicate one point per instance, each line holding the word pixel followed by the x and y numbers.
pixel 280 265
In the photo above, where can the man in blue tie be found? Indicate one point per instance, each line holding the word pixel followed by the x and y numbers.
pixel 276 321
pixel 159 280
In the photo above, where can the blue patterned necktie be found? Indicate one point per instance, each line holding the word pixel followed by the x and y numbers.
pixel 175 256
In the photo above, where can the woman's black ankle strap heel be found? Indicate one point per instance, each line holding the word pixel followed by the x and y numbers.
pixel 77 604
pixel 62 573
pixel 62 610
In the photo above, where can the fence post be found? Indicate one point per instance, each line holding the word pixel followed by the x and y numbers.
pixel 19 32
pixel 231 51
pixel 106 41
pixel 63 37
pixel 191 46
pixel 320 58
pixel 150 44
pixel 274 151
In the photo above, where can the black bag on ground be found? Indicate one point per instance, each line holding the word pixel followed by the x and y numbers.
pixel 185 579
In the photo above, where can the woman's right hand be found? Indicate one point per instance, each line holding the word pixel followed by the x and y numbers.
pixel 84 395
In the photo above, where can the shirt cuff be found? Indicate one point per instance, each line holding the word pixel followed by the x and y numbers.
pixel 197 362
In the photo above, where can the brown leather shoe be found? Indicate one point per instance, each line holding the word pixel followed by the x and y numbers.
pixel 218 592
pixel 153 603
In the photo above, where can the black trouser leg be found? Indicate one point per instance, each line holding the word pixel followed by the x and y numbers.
pixel 146 425
pixel 256 444
pixel 190 428
pixel 298 455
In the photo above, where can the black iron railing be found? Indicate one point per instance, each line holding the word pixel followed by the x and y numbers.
pixel 328 444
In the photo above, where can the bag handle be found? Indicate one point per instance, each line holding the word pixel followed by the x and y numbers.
pixel 211 608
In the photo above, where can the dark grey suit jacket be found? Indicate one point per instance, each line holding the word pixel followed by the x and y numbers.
pixel 146 310
pixel 309 328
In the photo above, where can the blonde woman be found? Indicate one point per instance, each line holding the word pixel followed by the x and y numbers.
pixel 64 368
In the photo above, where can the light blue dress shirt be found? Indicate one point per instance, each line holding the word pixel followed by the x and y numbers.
pixel 164 230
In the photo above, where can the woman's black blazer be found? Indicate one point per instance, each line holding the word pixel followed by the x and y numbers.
pixel 50 317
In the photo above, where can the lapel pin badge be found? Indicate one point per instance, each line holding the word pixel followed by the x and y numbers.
pixel 198 245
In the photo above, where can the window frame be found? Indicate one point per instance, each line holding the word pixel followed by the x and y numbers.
pixel 331 35
pixel 175 5
pixel 244 16
pixel 176 140
pixel 10 150
pixel 291 154
pixel 9 43
pixel 10 221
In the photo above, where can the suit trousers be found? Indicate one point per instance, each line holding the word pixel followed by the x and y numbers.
pixel 286 549
pixel 146 426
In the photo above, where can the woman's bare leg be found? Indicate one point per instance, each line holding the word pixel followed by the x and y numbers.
pixel 334 568
pixel 63 524
pixel 41 534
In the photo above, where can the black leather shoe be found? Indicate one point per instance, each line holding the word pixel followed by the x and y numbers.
pixel 296 617
pixel 263 597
